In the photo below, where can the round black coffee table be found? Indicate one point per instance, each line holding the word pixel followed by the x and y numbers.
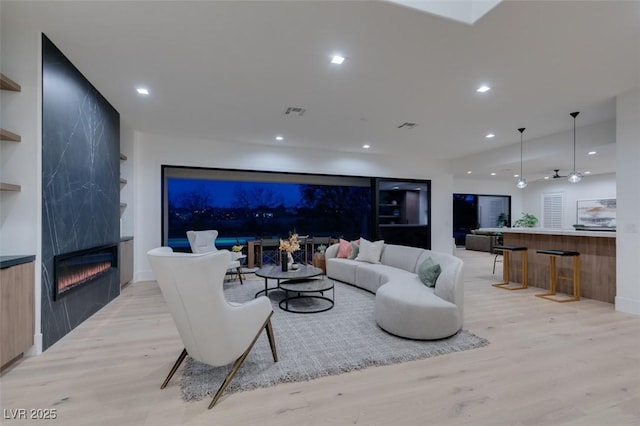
pixel 275 272
pixel 308 290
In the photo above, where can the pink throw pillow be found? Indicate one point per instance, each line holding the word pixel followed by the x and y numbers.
pixel 345 249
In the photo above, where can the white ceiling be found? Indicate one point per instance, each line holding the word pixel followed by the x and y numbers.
pixel 227 70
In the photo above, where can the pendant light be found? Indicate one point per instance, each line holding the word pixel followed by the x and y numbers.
pixel 574 176
pixel 522 182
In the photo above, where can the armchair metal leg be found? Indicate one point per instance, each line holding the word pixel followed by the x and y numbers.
pixel 240 275
pixel 174 368
pixel 238 363
pixel 272 340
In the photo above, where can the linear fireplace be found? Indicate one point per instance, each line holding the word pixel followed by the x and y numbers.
pixel 75 269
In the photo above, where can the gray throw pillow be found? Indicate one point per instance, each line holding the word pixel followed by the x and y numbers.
pixel 428 271
pixel 355 249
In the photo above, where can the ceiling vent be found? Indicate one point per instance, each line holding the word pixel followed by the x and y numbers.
pixel 407 125
pixel 295 111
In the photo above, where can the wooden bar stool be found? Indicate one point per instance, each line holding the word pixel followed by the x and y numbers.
pixel 553 274
pixel 506 267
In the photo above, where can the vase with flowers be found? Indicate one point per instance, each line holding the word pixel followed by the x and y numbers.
pixel 289 246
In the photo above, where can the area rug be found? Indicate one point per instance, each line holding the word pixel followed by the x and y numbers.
pixel 345 338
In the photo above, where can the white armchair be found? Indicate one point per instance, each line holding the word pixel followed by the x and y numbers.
pixel 213 331
pixel 205 242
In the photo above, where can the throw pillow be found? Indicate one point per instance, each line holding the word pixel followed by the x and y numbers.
pixel 429 271
pixel 355 249
pixel 344 250
pixel 370 251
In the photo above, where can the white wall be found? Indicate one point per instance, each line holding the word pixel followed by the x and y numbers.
pixel 153 151
pixel 21 212
pixel 628 208
pixel 589 188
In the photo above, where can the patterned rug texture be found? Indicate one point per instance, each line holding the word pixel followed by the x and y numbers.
pixel 345 338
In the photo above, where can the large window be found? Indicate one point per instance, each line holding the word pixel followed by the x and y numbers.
pixel 245 205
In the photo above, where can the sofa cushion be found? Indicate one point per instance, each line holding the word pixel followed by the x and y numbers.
pixel 428 271
pixel 449 285
pixel 402 257
pixel 372 276
pixel 370 251
pixel 342 269
pixel 410 309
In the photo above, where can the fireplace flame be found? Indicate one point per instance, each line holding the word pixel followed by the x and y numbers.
pixel 74 275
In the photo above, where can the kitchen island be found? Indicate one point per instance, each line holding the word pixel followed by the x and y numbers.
pixel 597 259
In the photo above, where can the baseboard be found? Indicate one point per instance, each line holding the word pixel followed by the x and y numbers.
pixel 628 306
pixel 143 276
pixel 36 349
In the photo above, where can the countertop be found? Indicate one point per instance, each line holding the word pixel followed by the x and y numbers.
pixel 565 232
pixel 9 261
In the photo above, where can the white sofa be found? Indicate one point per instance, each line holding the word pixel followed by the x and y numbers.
pixel 404 306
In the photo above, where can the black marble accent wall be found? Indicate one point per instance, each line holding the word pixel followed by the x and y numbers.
pixel 80 187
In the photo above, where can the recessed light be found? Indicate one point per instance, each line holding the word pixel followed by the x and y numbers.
pixel 469 172
pixel 483 88
pixel 279 138
pixel 546 177
pixel 587 173
pixel 490 135
pixel 592 152
pixel 516 175
pixel 366 146
pixel 142 91
pixel 337 59
pixel 493 173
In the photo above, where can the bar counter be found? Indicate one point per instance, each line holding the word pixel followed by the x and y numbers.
pixel 597 259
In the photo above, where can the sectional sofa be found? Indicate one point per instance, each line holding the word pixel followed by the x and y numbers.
pixel 404 305
pixel 481 241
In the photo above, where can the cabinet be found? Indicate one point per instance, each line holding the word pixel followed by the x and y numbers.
pixel 7 84
pixel 319 261
pixel 398 207
pixel 17 311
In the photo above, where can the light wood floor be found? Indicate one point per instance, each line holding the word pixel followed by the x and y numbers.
pixel 547 364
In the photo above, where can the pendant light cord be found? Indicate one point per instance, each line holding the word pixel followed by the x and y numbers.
pixel 521 130
pixel 574 115
pixel 574 144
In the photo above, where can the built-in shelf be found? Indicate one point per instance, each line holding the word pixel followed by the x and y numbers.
pixel 9 187
pixel 123 181
pixel 6 135
pixel 7 84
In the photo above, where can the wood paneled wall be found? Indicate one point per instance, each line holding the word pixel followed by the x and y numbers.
pixel 597 263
